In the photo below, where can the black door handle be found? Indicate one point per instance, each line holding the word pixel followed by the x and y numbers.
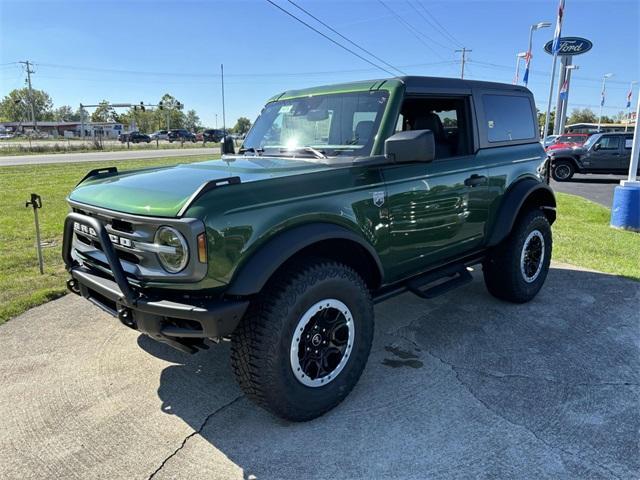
pixel 475 179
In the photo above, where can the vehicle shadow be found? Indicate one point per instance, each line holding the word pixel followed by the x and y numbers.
pixel 595 180
pixel 460 386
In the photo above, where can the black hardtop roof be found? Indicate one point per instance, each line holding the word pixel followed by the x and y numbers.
pixel 413 81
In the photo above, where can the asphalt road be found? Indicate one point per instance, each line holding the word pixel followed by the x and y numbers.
pixel 102 156
pixel 597 188
pixel 462 386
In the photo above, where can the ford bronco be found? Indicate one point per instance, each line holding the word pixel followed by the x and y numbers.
pixel 340 197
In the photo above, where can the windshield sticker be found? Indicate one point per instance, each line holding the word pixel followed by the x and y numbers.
pixel 285 108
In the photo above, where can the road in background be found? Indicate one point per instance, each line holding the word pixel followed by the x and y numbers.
pixel 103 156
pixel 597 188
pixel 478 388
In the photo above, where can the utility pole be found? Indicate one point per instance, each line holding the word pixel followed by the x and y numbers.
pixel 29 71
pixel 464 52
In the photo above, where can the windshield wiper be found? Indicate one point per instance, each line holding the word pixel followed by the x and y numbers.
pixel 257 151
pixel 316 153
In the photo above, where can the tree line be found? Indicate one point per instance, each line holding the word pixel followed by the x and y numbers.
pixel 16 107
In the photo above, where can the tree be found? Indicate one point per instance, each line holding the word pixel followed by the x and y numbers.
pixel 192 121
pixel 16 107
pixel 541 120
pixel 66 114
pixel 171 111
pixel 103 113
pixel 242 126
pixel 585 115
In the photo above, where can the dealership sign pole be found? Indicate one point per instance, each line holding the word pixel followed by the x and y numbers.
pixel 555 48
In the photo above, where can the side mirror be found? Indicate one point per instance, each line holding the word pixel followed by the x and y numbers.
pixel 410 146
pixel 227 146
pixel 596 147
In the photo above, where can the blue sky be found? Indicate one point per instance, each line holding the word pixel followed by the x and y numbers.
pixel 131 51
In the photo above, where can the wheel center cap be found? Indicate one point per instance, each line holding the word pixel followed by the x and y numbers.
pixel 316 339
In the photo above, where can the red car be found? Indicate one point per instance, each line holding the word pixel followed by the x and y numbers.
pixel 568 141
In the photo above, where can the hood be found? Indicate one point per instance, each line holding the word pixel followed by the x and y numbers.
pixel 567 151
pixel 162 192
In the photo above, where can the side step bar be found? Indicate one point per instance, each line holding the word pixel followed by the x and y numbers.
pixel 453 277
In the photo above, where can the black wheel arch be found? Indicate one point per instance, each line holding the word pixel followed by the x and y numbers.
pixel 523 195
pixel 315 239
pixel 566 158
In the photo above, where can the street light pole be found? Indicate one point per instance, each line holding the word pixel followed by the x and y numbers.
pixel 626 125
pixel 604 85
pixel 528 54
pixel 516 77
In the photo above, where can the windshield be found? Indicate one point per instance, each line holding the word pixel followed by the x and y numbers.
pixel 571 139
pixel 592 139
pixel 318 126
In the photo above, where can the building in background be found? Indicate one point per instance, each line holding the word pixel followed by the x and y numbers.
pixel 65 129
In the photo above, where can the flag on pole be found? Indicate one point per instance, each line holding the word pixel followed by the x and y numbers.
pixel 602 98
pixel 556 36
pixel 564 90
pixel 629 95
pixel 527 59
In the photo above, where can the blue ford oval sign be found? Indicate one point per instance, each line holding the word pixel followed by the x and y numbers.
pixel 571 46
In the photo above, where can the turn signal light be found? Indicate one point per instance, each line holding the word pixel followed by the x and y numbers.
pixel 202 248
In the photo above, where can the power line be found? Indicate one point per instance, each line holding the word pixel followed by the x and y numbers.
pixel 416 33
pixel 329 38
pixel 345 38
pixel 442 29
pixel 428 22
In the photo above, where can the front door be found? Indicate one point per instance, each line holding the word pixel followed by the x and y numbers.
pixel 605 154
pixel 436 210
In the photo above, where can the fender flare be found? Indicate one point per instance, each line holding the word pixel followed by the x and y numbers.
pixel 254 273
pixel 566 158
pixel 512 203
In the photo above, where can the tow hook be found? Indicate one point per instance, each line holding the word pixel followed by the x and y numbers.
pixel 72 285
pixel 126 317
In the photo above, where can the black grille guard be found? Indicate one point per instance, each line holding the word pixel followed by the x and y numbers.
pixel 129 297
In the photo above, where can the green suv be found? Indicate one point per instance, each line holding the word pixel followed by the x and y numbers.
pixel 340 197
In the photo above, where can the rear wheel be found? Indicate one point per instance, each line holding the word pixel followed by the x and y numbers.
pixel 562 171
pixel 517 268
pixel 303 344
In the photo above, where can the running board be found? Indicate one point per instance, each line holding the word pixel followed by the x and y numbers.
pixel 452 277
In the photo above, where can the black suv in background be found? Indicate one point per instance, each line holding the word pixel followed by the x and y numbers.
pixel 134 137
pixel 601 153
pixel 213 135
pixel 181 135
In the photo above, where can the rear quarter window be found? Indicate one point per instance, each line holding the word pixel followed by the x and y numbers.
pixel 508 118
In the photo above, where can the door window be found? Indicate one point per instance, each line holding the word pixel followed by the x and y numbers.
pixel 609 143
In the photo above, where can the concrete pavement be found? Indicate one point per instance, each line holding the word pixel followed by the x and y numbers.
pixel 462 386
pixel 597 188
pixel 103 156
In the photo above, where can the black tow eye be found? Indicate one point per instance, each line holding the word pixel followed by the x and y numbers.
pixel 126 316
pixel 72 285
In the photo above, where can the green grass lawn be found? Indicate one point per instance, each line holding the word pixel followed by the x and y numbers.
pixel 21 285
pixel 63 146
pixel 582 236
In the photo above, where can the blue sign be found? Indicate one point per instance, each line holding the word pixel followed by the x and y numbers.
pixel 570 46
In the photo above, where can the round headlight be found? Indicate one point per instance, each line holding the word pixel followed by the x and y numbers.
pixel 174 251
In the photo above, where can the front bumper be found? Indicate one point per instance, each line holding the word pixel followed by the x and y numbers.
pixel 181 325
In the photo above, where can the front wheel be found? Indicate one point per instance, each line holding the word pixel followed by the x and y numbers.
pixel 304 342
pixel 516 269
pixel 562 171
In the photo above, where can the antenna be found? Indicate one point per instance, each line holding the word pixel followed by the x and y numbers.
pixel 224 124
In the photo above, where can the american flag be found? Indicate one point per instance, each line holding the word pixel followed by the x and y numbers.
pixel 564 90
pixel 556 36
pixel 602 98
pixel 527 60
pixel 629 95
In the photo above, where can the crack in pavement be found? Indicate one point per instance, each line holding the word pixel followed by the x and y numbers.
pixel 488 407
pixel 194 433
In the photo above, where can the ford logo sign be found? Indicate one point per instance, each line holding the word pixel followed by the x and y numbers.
pixel 570 46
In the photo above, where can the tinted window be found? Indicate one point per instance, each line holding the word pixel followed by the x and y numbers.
pixel 609 143
pixel 508 117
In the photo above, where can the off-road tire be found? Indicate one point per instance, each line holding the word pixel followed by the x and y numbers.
pixel 502 270
pixel 260 348
pixel 566 170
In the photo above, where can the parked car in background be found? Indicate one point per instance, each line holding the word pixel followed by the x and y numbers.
pixel 181 135
pixel 568 141
pixel 199 137
pixel 213 135
pixel 134 137
pixel 601 153
pixel 550 139
pixel 160 135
